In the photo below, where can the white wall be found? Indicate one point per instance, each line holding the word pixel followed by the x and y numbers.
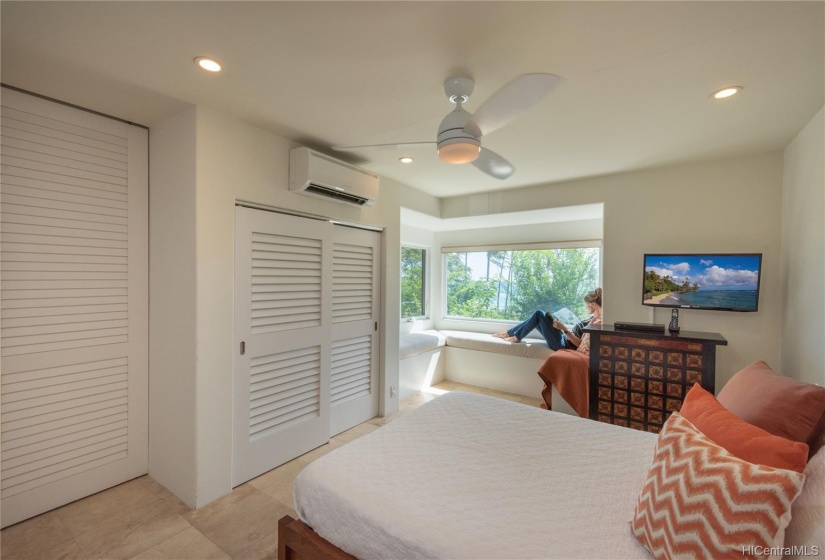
pixel 803 254
pixel 419 201
pixel 172 309
pixel 234 160
pixel 719 206
pixel 578 230
pixel 418 237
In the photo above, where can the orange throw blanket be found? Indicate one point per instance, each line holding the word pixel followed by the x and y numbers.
pixel 568 372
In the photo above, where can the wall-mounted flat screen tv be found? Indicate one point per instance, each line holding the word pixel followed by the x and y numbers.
pixel 727 282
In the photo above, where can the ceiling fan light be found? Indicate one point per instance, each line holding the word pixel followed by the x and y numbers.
pixel 459 152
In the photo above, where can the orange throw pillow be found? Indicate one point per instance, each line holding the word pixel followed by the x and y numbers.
pixel 741 439
pixel 780 405
pixel 699 501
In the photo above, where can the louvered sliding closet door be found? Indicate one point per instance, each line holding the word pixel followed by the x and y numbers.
pixel 355 299
pixel 282 331
pixel 74 304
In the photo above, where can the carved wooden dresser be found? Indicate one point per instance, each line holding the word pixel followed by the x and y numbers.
pixel 638 378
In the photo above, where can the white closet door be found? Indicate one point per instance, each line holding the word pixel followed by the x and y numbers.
pixel 282 331
pixel 355 306
pixel 74 311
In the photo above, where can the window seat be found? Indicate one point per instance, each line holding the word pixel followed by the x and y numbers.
pixel 480 359
pixel 421 361
pixel 484 342
pixel 419 342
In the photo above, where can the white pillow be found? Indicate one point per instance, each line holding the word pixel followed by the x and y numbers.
pixel 807 527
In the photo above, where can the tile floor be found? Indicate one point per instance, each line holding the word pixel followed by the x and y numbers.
pixel 141 519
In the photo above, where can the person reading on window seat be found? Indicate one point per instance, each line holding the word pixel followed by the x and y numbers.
pixel 568 370
pixel 556 333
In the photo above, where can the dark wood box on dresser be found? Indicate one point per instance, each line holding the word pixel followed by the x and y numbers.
pixel 638 378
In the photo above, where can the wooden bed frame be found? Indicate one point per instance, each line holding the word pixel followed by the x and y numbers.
pixel 296 541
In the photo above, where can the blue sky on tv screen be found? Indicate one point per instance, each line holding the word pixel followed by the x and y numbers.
pixel 712 272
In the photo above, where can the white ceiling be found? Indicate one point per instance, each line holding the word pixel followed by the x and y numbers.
pixel 636 74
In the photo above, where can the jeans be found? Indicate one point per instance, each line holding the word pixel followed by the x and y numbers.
pixel 544 324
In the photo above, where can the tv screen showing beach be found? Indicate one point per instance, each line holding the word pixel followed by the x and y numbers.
pixel 726 282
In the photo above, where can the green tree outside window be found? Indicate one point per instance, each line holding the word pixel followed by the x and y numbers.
pixel 412 282
pixel 511 285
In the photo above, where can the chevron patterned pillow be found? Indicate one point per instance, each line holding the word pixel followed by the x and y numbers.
pixel 699 501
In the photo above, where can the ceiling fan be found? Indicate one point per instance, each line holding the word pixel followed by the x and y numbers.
pixel 460 132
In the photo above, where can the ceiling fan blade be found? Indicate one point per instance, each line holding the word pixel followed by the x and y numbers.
pixel 383 146
pixel 511 102
pixel 493 164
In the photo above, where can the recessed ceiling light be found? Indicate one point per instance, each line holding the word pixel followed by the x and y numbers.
pixel 405 159
pixel 726 92
pixel 209 64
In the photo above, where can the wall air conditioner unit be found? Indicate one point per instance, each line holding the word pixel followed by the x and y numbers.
pixel 322 176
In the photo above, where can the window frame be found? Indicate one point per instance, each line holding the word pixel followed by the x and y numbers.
pixel 578 244
pixel 425 282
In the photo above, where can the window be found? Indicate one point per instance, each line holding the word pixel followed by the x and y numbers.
pixel 413 274
pixel 510 285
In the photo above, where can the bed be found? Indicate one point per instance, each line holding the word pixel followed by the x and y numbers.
pixel 450 480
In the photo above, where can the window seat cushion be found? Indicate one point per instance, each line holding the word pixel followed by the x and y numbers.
pixel 527 348
pixel 419 342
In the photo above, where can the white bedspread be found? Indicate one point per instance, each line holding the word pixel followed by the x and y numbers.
pixel 470 476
